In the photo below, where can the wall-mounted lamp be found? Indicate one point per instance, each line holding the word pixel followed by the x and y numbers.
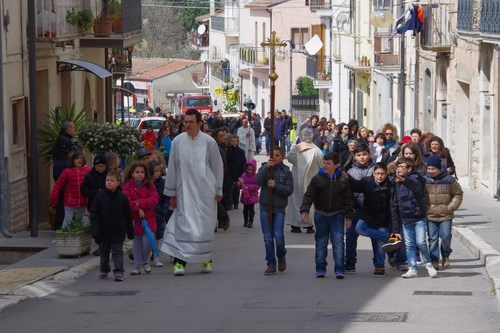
pixel 6 21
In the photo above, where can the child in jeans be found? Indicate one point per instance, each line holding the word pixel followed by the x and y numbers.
pixel 331 195
pixel 409 209
pixel 110 221
pixel 249 193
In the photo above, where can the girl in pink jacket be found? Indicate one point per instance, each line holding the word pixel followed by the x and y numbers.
pixel 70 181
pixel 142 197
pixel 249 192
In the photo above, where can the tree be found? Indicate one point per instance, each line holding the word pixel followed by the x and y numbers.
pixel 305 86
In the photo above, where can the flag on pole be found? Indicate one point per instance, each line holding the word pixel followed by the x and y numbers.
pixel 412 19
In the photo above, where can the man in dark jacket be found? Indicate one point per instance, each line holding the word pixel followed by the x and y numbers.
pixel 257 129
pixel 236 161
pixel 280 130
pixel 281 186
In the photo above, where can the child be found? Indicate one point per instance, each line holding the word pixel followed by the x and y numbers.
pixel 443 195
pixel 281 184
pixel 378 150
pixel 94 182
pixel 331 195
pixel 142 197
pixel 70 181
pixel 408 208
pixel 161 209
pixel 325 147
pixel 165 143
pixel 375 218
pixel 363 167
pixel 249 193
pixel 148 138
pixel 110 222
pixel 113 162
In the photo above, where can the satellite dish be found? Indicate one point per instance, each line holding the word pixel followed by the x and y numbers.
pixel 204 56
pixel 314 45
pixel 201 29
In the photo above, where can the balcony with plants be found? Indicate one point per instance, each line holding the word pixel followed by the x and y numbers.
pixel 200 41
pixel 319 69
pixel 120 60
pixel 254 56
pixel 387 53
pixel 53 23
pixel 436 34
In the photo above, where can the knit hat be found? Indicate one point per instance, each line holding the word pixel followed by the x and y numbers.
pixel 100 159
pixel 141 152
pixel 405 139
pixel 434 161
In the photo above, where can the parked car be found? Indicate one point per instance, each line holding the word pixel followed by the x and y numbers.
pixel 156 122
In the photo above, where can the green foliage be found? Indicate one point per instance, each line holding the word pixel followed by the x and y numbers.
pixel 104 138
pixel 82 20
pixel 74 227
pixel 305 86
pixel 51 128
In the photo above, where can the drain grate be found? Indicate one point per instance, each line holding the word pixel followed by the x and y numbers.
pixel 367 317
pixel 442 293
pixel 110 293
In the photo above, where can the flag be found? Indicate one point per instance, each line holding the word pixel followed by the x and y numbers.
pixel 412 19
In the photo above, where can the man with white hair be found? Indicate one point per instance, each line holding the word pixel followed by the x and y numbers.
pixel 306 159
pixel 246 135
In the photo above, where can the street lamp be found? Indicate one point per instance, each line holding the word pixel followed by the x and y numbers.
pixel 272 42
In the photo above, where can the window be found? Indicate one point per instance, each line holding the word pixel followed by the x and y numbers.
pixel 300 36
pixel 18 112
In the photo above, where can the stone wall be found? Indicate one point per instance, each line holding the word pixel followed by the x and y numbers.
pixel 19 205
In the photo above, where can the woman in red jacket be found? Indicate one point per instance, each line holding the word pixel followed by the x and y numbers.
pixel 142 197
pixel 70 181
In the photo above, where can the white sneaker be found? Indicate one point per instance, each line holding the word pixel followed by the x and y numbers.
pixel 206 267
pixel 431 270
pixel 412 273
pixel 178 270
pixel 157 263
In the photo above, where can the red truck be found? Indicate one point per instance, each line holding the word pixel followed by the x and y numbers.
pixel 202 103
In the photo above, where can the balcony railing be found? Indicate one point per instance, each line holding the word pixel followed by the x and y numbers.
pixel 436 32
pixel 51 18
pixel 308 103
pixel 386 52
pixel 464 15
pixel 315 5
pixel 319 69
pixel 490 17
pixel 254 56
pixel 200 40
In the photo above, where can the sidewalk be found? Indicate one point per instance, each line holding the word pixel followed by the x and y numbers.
pixel 476 226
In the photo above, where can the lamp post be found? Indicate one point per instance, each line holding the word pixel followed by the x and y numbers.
pixel 272 42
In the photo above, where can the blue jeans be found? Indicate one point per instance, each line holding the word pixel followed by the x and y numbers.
pixel 273 234
pixel 415 234
pixel 437 231
pixel 378 236
pixel 268 142
pixel 329 228
pixel 73 212
pixel 351 243
pixel 258 144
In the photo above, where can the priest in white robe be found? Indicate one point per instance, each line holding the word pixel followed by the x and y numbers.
pixel 246 135
pixel 194 183
pixel 306 159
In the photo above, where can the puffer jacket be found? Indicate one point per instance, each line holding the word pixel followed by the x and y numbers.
pixel 328 194
pixel 249 190
pixel 70 181
pixel 443 195
pixel 408 200
pixel 377 203
pixel 147 198
pixel 358 172
pixel 282 190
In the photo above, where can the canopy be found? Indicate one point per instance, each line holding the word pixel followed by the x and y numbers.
pixel 82 65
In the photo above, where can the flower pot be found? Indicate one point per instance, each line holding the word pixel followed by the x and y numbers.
pixel 118 24
pixel 102 28
pixel 73 244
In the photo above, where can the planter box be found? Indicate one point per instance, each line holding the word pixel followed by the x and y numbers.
pixel 73 244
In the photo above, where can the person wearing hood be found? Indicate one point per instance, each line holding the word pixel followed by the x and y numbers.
pixel 249 192
pixel 444 196
pixel 331 195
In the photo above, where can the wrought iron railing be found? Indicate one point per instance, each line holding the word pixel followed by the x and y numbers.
pixel 256 56
pixel 200 40
pixel 490 17
pixel 436 31
pixel 315 5
pixel 319 69
pixel 309 102
pixel 464 15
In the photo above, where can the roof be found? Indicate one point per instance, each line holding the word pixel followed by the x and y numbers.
pixel 147 69
pixel 263 4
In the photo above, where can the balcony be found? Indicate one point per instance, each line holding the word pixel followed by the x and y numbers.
pixel 320 70
pixel 120 35
pixel 436 33
pixel 490 18
pixel 344 47
pixel 200 41
pixel 121 60
pixel 306 103
pixel 321 7
pixel 386 52
pixel 200 79
pixel 51 22
pixel 464 15
pixel 230 26
pixel 254 56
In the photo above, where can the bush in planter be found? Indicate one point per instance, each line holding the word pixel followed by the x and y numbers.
pixel 104 138
pixel 82 20
pixel 74 239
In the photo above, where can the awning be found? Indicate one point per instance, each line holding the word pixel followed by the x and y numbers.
pixel 82 65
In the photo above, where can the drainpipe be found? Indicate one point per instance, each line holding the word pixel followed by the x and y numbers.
pixel 4 184
pixel 33 160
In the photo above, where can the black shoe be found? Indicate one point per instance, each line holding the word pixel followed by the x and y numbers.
pixel 310 230
pixel 350 269
pixel 296 230
pixel 250 224
pixel 131 256
pixel 97 252
pixel 245 224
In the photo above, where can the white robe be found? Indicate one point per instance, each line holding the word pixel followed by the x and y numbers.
pixel 247 143
pixel 195 174
pixel 306 158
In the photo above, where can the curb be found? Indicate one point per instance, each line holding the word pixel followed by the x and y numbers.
pixel 488 256
pixel 48 285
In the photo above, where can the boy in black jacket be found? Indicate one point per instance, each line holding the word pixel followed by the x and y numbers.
pixel 110 222
pixel 331 195
pixel 375 215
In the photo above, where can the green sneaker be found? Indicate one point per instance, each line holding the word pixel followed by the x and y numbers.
pixel 178 269
pixel 206 267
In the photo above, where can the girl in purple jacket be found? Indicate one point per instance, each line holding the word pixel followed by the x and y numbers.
pixel 249 192
pixel 142 197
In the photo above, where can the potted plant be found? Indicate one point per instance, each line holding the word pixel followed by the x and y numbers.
pixel 103 138
pixel 74 239
pixel 81 20
pixel 115 13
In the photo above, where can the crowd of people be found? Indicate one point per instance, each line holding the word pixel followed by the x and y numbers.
pixel 344 181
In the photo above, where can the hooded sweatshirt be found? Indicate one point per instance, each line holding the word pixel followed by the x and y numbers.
pixel 249 190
